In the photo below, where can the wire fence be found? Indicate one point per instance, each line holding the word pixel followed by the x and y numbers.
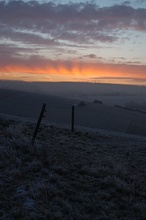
pixel 96 116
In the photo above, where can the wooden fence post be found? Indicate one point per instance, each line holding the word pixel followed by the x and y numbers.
pixel 38 123
pixel 72 118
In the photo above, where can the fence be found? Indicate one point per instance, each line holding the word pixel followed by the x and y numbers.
pixel 96 116
pixel 43 110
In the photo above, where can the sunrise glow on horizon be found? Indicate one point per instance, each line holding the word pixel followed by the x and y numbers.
pixel 74 72
pixel 73 41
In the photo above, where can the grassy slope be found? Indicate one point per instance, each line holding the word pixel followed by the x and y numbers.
pixel 84 175
pixel 59 110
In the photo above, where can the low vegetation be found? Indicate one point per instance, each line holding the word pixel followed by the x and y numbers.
pixel 81 175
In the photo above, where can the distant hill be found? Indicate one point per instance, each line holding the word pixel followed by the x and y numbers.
pixel 93 115
pixel 108 93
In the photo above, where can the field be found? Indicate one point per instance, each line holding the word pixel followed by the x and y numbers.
pixel 88 174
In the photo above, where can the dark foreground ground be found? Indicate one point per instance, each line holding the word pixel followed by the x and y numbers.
pixel 80 175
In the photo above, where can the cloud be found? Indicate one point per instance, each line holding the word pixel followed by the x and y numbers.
pixel 91 56
pixel 38 65
pixel 119 80
pixel 29 29
pixel 126 3
pixel 50 23
pixel 140 1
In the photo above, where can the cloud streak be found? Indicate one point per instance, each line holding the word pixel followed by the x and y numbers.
pixel 37 65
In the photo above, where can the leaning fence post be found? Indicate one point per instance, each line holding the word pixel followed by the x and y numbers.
pixel 38 123
pixel 72 118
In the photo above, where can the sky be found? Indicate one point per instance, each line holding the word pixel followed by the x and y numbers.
pixel 85 41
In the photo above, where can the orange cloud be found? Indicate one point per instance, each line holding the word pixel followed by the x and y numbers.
pixel 71 70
